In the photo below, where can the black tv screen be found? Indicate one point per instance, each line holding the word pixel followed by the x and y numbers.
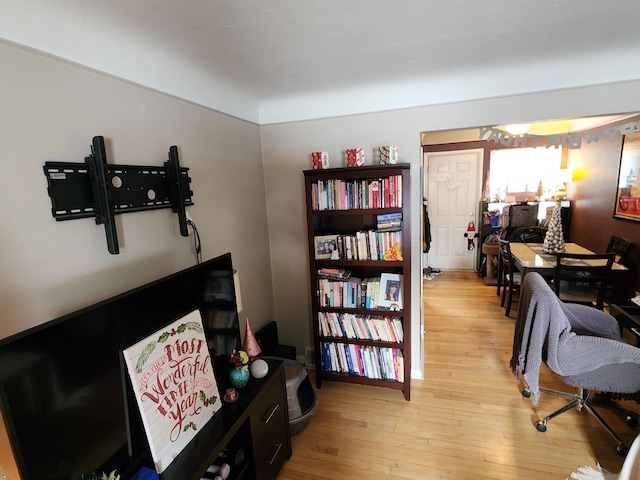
pixel 65 395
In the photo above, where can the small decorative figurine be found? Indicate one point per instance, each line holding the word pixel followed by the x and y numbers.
pixel 320 160
pixel 355 157
pixel 394 254
pixel 388 155
pixel 471 235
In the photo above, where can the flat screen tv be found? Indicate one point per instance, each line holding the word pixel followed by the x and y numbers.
pixel 64 389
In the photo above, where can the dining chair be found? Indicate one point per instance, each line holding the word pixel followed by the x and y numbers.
pixel 582 277
pixel 619 287
pixel 509 276
pixel 619 246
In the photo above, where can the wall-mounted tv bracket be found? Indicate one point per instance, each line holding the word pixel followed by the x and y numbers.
pixel 97 189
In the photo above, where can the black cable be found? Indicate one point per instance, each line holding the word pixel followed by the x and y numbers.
pixel 197 246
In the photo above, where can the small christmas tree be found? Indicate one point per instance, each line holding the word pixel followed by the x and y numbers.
pixel 540 191
pixel 554 239
pixel 251 345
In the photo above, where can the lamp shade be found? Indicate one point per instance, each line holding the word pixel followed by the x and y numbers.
pixel 566 175
pixel 236 286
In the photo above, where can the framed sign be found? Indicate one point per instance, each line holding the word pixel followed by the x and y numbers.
pixel 174 385
pixel 627 205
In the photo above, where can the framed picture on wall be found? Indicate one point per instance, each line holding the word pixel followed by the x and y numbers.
pixel 627 205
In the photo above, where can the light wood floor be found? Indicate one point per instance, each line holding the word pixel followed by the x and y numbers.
pixel 466 420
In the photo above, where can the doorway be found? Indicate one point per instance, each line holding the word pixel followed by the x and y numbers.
pixel 451 188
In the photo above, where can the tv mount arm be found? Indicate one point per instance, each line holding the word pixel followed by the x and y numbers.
pixel 97 189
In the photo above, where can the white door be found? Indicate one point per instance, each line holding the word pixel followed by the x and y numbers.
pixel 452 186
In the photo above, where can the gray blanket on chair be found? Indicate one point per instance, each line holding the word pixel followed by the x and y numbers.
pixel 571 339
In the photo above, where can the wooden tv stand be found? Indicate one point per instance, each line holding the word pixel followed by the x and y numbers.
pixel 258 421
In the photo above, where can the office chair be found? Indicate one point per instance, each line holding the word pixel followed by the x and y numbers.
pixel 582 277
pixel 508 275
pixel 580 344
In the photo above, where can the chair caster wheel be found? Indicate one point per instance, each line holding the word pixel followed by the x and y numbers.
pixel 622 450
pixel 541 426
pixel 526 393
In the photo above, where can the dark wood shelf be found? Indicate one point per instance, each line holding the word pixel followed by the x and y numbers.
pixel 348 222
pixel 374 382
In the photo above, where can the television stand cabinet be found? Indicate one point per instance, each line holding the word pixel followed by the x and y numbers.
pixel 257 422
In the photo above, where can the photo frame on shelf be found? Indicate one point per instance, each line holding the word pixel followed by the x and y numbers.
pixel 325 245
pixel 627 205
pixel 390 295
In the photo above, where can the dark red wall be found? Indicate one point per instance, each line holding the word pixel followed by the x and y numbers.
pixel 593 198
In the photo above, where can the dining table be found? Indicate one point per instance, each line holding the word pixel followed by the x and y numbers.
pixel 530 257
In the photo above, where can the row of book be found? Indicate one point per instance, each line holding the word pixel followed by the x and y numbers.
pixel 366 244
pixel 336 273
pixel 382 363
pixel 367 327
pixel 353 292
pixel 334 194
pixel 389 221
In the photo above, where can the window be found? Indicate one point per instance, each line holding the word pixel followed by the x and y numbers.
pixel 522 170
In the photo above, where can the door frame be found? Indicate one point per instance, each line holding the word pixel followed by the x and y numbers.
pixel 480 169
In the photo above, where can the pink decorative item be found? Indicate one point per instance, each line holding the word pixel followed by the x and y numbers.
pixel 250 343
pixel 388 155
pixel 320 160
pixel 355 157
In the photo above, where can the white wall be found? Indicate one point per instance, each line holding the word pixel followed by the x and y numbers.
pixel 286 152
pixel 50 111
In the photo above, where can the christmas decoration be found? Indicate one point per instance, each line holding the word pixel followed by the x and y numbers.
pixel 355 157
pixel 569 140
pixel 250 343
pixel 554 239
pixel 540 191
pixel 320 160
pixel 388 155
pixel 471 235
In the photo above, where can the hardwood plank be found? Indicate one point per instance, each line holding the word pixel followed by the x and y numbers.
pixel 466 420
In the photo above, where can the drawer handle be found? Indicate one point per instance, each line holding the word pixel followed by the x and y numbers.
pixel 268 414
pixel 277 446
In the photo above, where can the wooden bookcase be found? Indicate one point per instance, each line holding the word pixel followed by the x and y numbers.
pixel 356 338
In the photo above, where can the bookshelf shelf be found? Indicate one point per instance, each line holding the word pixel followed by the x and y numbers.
pixel 355 216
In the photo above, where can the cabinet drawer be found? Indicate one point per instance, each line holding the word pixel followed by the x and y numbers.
pixel 270 414
pixel 270 455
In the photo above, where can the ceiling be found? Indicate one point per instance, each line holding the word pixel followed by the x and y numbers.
pixel 284 60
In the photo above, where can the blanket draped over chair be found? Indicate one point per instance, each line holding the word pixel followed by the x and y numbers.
pixel 571 339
